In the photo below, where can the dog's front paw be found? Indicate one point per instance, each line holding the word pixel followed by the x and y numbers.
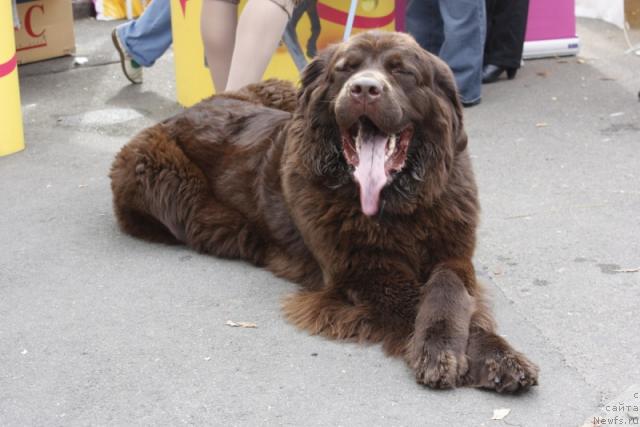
pixel 441 369
pixel 507 372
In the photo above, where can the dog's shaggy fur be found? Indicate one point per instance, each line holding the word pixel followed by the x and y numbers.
pixel 358 187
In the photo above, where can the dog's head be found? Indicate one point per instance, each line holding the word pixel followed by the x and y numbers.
pixel 384 113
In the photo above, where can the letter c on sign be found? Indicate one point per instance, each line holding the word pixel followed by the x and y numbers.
pixel 27 20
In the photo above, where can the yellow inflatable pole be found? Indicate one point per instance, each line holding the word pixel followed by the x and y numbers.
pixel 193 80
pixel 11 132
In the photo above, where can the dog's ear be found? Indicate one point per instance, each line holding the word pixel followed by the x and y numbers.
pixel 444 85
pixel 315 73
pixel 446 82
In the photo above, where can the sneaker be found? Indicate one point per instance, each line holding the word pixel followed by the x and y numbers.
pixel 131 69
pixel 469 104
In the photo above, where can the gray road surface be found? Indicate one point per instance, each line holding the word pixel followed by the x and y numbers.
pixel 97 328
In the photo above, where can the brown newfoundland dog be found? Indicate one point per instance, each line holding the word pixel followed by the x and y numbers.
pixel 357 186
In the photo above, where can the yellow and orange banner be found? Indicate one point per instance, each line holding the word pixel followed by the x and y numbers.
pixel 315 25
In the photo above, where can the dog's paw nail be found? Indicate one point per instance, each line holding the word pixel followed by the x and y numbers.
pixel 496 380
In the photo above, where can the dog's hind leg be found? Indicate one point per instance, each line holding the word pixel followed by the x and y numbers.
pixel 326 313
pixel 223 231
pixel 144 226
pixel 130 188
pixel 157 188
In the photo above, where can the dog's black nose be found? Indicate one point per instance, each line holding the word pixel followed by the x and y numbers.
pixel 365 89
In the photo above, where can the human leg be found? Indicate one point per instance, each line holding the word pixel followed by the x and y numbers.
pixel 490 7
pixel 259 31
pixel 149 36
pixel 218 21
pixel 424 23
pixel 464 34
pixel 505 39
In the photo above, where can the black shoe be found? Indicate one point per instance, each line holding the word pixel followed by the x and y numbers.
pixel 491 73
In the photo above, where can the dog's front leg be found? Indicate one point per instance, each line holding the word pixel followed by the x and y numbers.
pixel 437 348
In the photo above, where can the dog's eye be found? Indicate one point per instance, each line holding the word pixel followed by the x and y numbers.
pixel 346 66
pixel 401 71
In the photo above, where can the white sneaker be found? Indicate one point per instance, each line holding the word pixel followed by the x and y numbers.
pixel 131 69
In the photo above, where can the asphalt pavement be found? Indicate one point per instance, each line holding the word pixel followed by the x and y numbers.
pixel 98 328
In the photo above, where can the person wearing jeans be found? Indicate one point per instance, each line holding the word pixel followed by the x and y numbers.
pixel 455 31
pixel 142 41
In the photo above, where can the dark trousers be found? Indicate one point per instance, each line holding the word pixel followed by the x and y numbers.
pixel 506 26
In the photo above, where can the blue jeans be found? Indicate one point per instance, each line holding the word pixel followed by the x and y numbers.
pixel 455 31
pixel 149 36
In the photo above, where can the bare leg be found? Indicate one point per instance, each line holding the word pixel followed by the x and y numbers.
pixel 218 28
pixel 259 30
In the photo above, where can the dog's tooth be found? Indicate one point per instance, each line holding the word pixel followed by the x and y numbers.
pixel 392 146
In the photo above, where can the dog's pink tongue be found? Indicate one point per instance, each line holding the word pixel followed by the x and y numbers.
pixel 370 172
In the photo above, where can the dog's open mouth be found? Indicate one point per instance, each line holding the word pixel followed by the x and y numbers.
pixel 375 156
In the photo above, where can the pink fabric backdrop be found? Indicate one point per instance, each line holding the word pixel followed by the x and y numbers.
pixel 551 19
pixel 548 19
